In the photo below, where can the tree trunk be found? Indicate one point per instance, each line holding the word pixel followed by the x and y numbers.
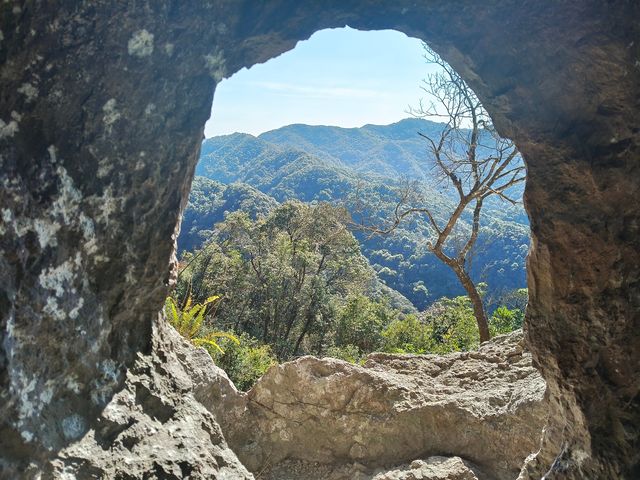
pixel 476 300
pixel 472 292
pixel 308 320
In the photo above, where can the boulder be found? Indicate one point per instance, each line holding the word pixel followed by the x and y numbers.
pixel 486 406
pixel 433 468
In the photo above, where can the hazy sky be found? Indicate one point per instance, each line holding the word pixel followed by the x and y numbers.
pixel 341 77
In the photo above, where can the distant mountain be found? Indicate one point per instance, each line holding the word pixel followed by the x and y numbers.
pixel 392 150
pixel 281 172
pixel 319 163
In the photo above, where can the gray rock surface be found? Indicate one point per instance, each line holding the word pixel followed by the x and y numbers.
pixel 486 406
pixel 433 468
pixel 154 427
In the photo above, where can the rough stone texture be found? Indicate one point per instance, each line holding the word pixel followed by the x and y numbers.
pixel 87 208
pixel 90 198
pixel 153 428
pixel 433 468
pixel 485 406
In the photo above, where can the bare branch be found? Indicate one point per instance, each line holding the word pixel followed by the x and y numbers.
pixel 473 158
pixel 475 228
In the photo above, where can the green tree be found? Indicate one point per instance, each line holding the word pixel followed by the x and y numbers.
pixel 280 276
pixel 453 325
pixel 516 299
pixel 245 362
pixel 504 320
pixel 361 321
pixel 407 335
pixel 348 353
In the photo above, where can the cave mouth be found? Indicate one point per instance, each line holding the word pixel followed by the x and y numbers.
pixel 285 360
pixel 318 122
pixel 86 209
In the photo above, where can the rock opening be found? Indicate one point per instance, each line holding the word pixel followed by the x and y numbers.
pixel 87 206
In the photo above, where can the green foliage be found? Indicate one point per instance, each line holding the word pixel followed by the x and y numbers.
pixel 361 322
pixel 355 326
pixel 407 335
pixel 188 321
pixel 504 320
pixel 209 202
pixel 348 353
pixel 454 325
pixel 419 288
pixel 448 326
pixel 281 276
pixel 245 362
pixel 515 299
pixel 293 280
pixel 313 163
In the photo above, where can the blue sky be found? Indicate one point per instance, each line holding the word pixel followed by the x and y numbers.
pixel 341 77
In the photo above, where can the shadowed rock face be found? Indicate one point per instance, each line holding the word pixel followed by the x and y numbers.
pixel 87 212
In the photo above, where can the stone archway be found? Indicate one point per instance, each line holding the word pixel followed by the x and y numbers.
pixel 102 109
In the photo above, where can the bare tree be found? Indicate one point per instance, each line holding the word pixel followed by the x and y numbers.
pixel 469 157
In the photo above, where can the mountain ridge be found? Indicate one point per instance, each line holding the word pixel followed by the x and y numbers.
pixel 294 163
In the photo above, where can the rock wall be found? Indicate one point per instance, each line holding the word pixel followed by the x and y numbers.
pixel 312 415
pixel 88 208
pixel 98 141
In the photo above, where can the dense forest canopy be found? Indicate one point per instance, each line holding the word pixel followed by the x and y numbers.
pixel 295 282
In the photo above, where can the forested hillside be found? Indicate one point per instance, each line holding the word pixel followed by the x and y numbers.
pixel 210 201
pixel 278 249
pixel 316 163
pixel 393 151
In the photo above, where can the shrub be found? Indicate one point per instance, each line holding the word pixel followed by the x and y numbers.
pixel 361 321
pixel 348 353
pixel 504 320
pixel 454 327
pixel 407 335
pixel 245 362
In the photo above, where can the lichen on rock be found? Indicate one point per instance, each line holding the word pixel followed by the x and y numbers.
pixel 141 44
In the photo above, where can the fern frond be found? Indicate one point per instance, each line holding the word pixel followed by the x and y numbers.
pixel 188 322
pixel 173 311
pixel 199 342
pixel 226 335
pixel 211 299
